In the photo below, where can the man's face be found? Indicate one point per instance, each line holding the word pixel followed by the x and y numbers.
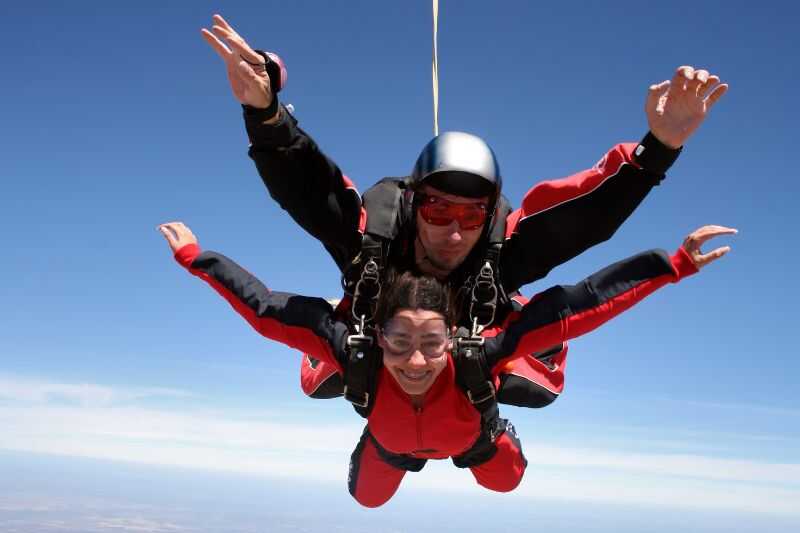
pixel 440 249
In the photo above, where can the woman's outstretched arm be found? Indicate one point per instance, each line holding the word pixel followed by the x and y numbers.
pixel 565 312
pixel 299 322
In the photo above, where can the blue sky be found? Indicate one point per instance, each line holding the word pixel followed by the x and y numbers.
pixel 117 117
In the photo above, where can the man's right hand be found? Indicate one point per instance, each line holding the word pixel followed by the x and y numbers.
pixel 246 72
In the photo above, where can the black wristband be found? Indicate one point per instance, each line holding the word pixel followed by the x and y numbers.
pixel 273 72
pixel 265 113
pixel 654 156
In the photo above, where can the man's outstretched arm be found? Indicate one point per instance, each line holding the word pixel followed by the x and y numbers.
pixel 559 219
pixel 303 180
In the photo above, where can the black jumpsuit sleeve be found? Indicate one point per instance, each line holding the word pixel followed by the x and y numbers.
pixel 559 219
pixel 306 183
pixel 566 312
pixel 300 322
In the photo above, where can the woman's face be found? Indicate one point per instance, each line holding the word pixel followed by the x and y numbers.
pixel 415 343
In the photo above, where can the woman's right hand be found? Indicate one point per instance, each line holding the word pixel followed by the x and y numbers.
pixel 177 235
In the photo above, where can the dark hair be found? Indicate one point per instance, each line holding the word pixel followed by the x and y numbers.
pixel 413 290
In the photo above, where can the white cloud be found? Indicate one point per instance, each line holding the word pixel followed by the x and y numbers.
pixel 555 483
pixel 676 465
pixel 763 410
pixel 17 389
pixel 136 524
pixel 254 443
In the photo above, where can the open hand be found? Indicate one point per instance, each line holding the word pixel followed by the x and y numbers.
pixel 675 108
pixel 698 237
pixel 246 68
pixel 177 235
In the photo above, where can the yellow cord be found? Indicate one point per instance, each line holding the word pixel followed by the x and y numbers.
pixel 435 69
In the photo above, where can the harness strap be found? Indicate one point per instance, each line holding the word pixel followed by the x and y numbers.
pixel 483 298
pixel 486 291
pixel 362 280
pixel 368 286
pixel 383 203
pixel 358 376
pixel 400 461
pixel 474 377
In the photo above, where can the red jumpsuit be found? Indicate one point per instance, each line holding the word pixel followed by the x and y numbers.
pixel 557 220
pixel 399 437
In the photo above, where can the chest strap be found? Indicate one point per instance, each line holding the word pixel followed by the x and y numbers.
pixel 474 376
pixel 368 287
pixel 361 370
pixel 485 290
pixel 484 293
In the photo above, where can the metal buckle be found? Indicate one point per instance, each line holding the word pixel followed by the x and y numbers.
pixel 499 427
pixel 359 342
pixel 465 346
pixel 484 278
pixel 369 274
pixel 468 343
pixel 488 396
pixel 355 401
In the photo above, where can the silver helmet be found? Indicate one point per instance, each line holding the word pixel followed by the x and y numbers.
pixel 458 163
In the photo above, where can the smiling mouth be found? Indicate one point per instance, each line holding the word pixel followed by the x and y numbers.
pixel 415 376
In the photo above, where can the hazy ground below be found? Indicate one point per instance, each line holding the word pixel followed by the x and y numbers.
pixel 45 494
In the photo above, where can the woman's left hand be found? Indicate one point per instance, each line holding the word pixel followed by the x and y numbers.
pixel 177 234
pixel 698 237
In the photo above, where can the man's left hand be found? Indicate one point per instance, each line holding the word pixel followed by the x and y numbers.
pixel 676 108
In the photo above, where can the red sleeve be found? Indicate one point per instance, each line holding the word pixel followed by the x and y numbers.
pixel 550 194
pixel 559 219
pixel 563 313
pixel 306 324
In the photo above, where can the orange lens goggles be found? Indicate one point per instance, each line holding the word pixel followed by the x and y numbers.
pixel 440 212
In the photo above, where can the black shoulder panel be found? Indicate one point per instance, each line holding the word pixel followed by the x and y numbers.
pixel 384 203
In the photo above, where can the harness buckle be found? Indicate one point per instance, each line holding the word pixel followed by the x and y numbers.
pixel 358 346
pixel 355 400
pixel 370 276
pixel 484 294
pixel 470 348
pixel 488 394
pixel 467 344
pixel 359 342
pixel 499 427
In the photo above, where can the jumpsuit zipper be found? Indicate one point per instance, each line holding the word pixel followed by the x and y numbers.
pixel 418 413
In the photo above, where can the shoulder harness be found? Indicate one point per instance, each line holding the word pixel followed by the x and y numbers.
pixel 388 206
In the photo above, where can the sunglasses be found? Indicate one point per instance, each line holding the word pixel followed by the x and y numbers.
pixel 440 212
